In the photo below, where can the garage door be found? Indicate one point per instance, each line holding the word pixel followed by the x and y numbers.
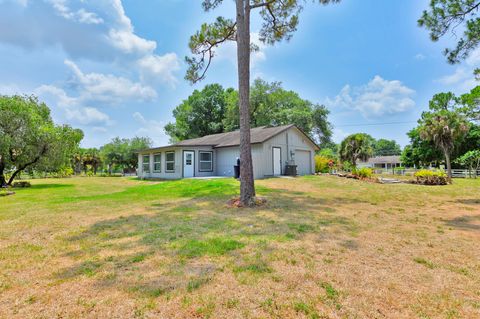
pixel 303 161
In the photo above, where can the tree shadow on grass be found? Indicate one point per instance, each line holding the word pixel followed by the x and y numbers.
pixel 465 222
pixel 184 231
pixel 469 201
pixel 50 186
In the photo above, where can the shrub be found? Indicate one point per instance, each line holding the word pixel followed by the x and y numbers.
pixel 21 184
pixel 428 177
pixel 363 172
pixel 322 164
pixel 64 171
pixel 347 166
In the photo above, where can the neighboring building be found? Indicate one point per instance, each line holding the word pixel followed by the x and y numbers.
pixel 382 162
pixel 215 155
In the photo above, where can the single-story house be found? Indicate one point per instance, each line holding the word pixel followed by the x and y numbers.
pixel 215 155
pixel 382 162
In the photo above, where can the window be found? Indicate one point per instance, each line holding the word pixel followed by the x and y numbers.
pixel 157 163
pixel 206 161
pixel 188 159
pixel 170 162
pixel 146 164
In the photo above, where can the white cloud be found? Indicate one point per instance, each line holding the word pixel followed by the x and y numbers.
pixel 137 116
pixel 420 57
pixel 80 15
pixel 377 98
pixel 92 89
pixel 339 135
pixel 259 55
pixel 11 89
pixel 108 88
pixel 71 107
pixel 162 68
pixel 462 79
pixel 86 115
pixel 151 128
pixel 460 74
pixel 99 129
pixel 97 30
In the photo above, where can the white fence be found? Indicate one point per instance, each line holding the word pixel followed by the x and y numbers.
pixel 457 173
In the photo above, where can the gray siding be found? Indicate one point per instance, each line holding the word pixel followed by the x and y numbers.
pixel 178 173
pixel 227 158
pixel 291 143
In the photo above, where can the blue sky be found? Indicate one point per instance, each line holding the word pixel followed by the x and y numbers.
pixel 116 68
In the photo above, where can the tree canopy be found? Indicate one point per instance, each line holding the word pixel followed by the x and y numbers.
pixel 202 113
pixel 356 147
pixel 279 21
pixel 445 129
pixel 445 16
pixel 215 110
pixel 30 139
pixel 445 107
pixel 123 151
pixel 383 147
pixel 471 159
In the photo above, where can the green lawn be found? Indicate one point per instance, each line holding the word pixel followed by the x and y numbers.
pixel 322 247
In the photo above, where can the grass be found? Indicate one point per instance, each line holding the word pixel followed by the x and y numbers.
pixel 322 247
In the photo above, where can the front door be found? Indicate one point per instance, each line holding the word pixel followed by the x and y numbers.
pixel 277 161
pixel 188 163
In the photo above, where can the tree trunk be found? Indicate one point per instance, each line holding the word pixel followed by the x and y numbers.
pixel 10 181
pixel 247 186
pixel 449 166
pixel 3 182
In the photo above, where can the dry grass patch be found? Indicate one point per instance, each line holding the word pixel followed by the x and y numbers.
pixel 320 247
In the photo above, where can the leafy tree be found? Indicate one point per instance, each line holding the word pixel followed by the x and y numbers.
pixel 30 139
pixel 471 104
pixel 445 129
pixel 356 147
pixel 280 20
pixel 91 157
pixel 136 144
pixel 201 114
pixel 470 142
pixel 444 16
pixel 423 152
pixel 271 105
pixel 419 153
pixel 123 152
pixel 328 152
pixel 383 147
pixel 471 160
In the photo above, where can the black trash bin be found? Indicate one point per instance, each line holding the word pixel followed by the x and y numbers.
pixel 236 171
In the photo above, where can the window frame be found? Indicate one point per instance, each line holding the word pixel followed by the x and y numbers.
pixel 200 161
pixel 146 164
pixel 167 162
pixel 160 163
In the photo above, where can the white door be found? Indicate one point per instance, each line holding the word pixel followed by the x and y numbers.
pixel 188 163
pixel 277 161
pixel 303 162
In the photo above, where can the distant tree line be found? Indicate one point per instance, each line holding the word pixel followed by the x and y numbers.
pixel 447 131
pixel 215 110
pixel 31 143
pixel 118 156
pixel 30 140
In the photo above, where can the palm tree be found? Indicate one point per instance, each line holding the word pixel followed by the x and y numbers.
pixel 356 147
pixel 445 129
